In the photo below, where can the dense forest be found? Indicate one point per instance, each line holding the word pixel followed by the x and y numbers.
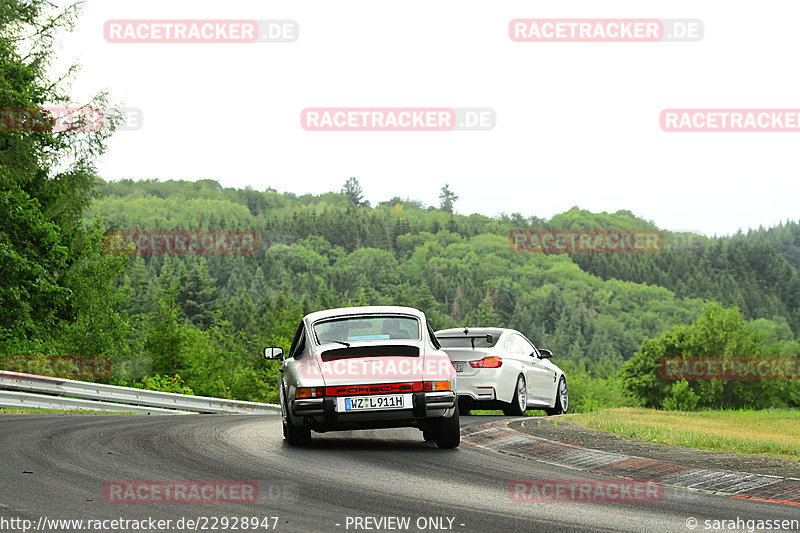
pixel 204 318
pixel 197 323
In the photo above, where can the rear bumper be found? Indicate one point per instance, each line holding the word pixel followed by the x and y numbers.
pixel 322 411
pixel 308 406
pixel 481 387
pixel 440 400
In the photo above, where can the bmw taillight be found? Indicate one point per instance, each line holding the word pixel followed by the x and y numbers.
pixel 492 361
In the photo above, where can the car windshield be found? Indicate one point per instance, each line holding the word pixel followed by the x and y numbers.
pixel 367 328
pixel 468 341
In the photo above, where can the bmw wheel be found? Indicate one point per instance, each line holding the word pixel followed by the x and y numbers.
pixel 562 399
pixel 519 403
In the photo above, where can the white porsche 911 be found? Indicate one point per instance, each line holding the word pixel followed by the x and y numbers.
pixel 367 368
pixel 499 368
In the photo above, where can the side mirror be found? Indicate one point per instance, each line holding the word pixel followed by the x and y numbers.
pixel 273 353
pixel 545 354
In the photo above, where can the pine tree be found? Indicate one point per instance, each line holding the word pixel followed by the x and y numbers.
pixel 447 199
pixel 352 190
pixel 198 295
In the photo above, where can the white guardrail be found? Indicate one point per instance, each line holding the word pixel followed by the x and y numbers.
pixel 29 390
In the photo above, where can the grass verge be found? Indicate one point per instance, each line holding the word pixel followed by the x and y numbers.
pixel 774 434
pixel 497 412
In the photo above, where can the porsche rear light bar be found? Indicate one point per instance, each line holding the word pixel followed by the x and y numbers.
pixel 492 361
pixel 381 388
pixel 385 388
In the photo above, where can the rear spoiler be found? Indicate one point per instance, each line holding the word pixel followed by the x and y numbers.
pixel 489 338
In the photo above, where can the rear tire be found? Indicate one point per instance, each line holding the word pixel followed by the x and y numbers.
pixel 464 407
pixel 518 404
pixel 448 431
pixel 294 435
pixel 562 399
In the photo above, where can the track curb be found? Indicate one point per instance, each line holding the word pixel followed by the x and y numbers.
pixel 497 436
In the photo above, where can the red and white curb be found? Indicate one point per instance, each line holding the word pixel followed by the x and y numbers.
pixel 498 437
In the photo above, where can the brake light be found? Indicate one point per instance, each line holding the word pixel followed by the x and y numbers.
pixel 492 361
pixel 310 392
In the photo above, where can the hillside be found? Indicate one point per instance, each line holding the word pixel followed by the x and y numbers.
pixel 322 251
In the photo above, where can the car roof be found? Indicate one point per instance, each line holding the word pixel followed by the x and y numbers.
pixel 459 332
pixel 364 310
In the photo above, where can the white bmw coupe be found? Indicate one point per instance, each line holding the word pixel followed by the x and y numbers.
pixel 499 368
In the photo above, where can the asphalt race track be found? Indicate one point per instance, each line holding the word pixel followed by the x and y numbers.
pixel 56 466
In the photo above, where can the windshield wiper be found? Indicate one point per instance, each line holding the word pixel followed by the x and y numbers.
pixel 340 342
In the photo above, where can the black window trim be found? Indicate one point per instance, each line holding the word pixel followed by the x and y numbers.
pixel 432 335
pixel 298 343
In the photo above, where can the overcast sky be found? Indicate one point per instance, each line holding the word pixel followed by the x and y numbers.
pixel 576 123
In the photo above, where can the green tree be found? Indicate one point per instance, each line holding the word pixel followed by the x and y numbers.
pixel 447 199
pixel 484 316
pixel 683 398
pixel 352 190
pixel 166 336
pixel 47 179
pixel 198 295
pixel 719 333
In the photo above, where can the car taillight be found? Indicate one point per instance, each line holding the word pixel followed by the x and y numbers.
pixel 310 392
pixel 429 386
pixel 487 362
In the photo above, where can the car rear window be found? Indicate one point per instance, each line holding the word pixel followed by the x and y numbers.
pixel 367 328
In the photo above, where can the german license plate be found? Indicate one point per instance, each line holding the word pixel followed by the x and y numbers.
pixel 372 403
pixel 459 367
